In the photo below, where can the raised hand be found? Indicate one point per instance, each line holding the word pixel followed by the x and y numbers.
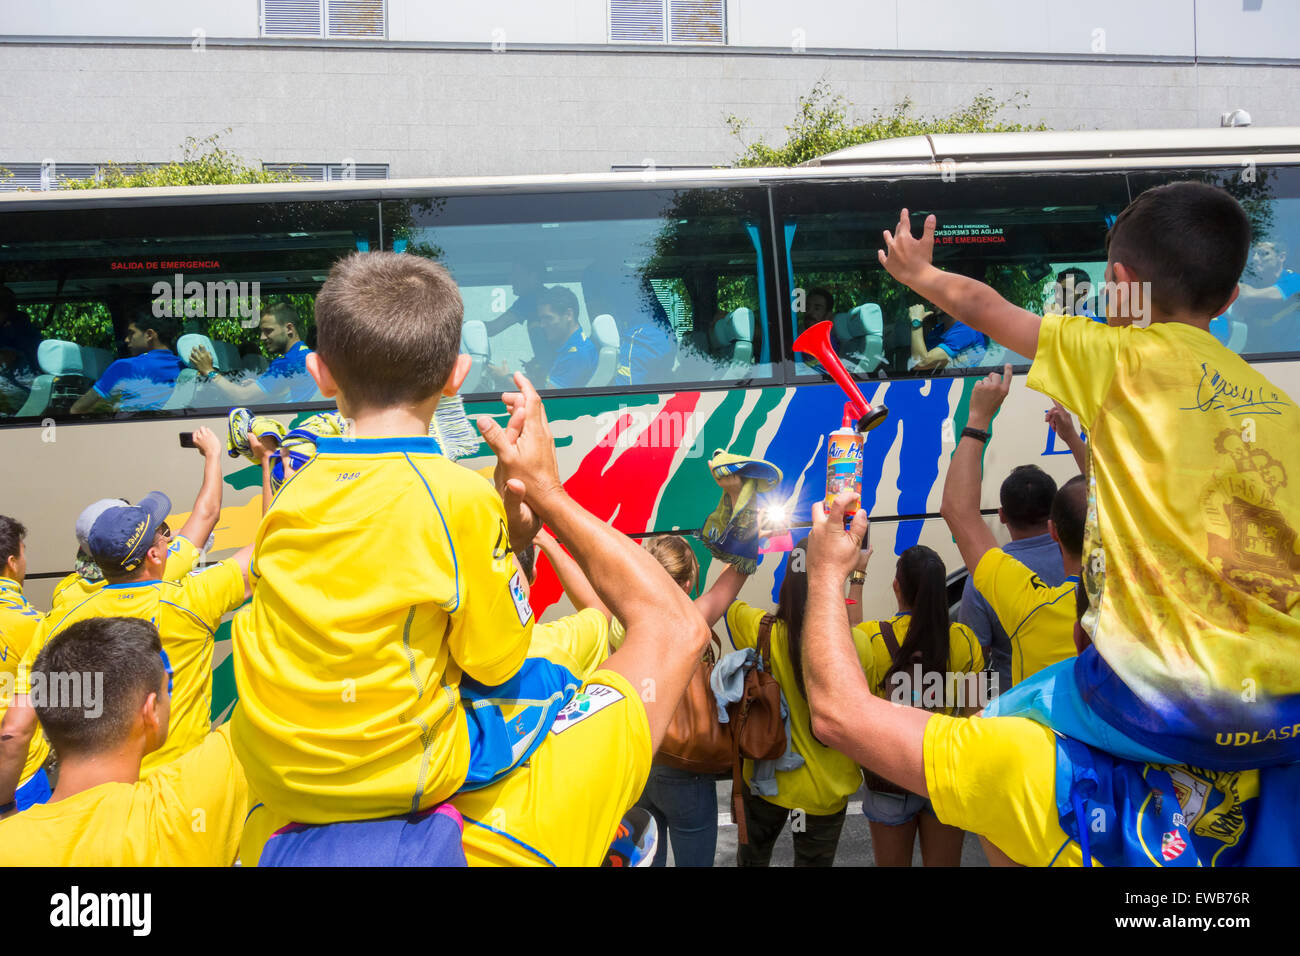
pixel 905 257
pixel 832 550
pixel 524 448
pixel 988 396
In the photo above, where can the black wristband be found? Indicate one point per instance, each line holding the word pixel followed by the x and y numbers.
pixel 9 807
pixel 975 433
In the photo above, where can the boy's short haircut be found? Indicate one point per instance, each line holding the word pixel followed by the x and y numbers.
pixel 1070 514
pixel 388 328
pixel 1188 240
pixel 559 300
pixel 1026 496
pixel 12 534
pixel 126 651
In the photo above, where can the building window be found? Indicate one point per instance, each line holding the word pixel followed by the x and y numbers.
pixel 333 19
pixel 667 21
pixel 330 172
pixel 43 176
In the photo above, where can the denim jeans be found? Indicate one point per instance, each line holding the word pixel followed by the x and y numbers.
pixel 685 806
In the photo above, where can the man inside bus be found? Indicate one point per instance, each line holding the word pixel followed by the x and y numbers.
pixel 820 307
pixel 1073 294
pixel 526 283
pixel 939 340
pixel 285 380
pixel 147 378
pixel 1270 304
pixel 557 324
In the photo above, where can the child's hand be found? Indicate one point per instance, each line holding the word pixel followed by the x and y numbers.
pixel 987 397
pixel 907 258
pixel 262 448
pixel 1062 421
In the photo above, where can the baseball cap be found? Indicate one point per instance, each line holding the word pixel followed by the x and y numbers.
pixel 118 535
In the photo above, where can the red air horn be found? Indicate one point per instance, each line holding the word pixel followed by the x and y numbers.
pixel 816 341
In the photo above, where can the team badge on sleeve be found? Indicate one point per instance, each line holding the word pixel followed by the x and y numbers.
pixel 592 700
pixel 1172 845
pixel 520 596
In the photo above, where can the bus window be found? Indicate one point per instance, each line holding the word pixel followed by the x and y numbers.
pixel 1030 237
pixel 1265 318
pixel 596 290
pixel 142 310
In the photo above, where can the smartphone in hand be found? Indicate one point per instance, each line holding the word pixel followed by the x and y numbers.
pixel 187 440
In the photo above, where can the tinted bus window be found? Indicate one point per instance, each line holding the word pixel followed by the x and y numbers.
pixel 168 309
pixel 1031 237
pixel 1265 318
pixel 620 290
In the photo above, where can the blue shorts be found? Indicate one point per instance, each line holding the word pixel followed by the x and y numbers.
pixel 35 790
pixel 893 809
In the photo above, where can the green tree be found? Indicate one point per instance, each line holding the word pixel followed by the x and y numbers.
pixel 203 162
pixel 822 125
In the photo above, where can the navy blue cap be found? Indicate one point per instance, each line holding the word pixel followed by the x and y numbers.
pixel 121 535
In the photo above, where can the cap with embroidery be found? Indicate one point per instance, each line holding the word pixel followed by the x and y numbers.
pixel 118 535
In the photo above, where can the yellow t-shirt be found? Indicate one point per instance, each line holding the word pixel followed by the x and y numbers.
pixel 181 557
pixel 187 613
pixel 18 622
pixel 188 813
pixel 1037 617
pixel 965 657
pixel 579 642
pixel 382 572
pixel 561 808
pixel 827 779
pixel 1191 558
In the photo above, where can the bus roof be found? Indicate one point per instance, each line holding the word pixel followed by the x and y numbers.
pixel 1041 152
pixel 1047 144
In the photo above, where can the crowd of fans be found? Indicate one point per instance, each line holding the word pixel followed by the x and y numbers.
pixel 397 702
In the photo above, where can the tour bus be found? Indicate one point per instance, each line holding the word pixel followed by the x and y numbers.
pixel 691 285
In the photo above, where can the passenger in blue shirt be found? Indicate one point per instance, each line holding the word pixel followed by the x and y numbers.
pixel 1026 498
pixel 557 323
pixel 1270 306
pixel 939 340
pixel 145 380
pixel 286 378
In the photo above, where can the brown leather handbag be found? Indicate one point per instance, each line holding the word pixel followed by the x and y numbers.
pixel 695 741
pixel 698 743
pixel 874 781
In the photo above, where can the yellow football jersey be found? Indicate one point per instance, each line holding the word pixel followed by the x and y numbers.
pixel 382 572
pixel 827 779
pixel 960 689
pixel 187 813
pixel 187 614
pixel 182 555
pixel 1037 617
pixel 18 622
pixel 1191 559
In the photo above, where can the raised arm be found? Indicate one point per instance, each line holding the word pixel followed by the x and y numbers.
pixel 1062 423
pixel 846 716
pixel 207 506
pixel 713 603
pixel 961 489
pixel 856 580
pixel 908 260
pixel 574 582
pixel 665 634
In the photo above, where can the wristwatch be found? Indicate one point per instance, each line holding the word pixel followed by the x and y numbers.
pixel 975 433
pixel 917 323
pixel 857 577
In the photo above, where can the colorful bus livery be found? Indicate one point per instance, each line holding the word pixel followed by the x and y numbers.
pixel 690 287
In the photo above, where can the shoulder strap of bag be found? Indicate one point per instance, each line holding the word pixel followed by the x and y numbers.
pixel 891 642
pixel 765 642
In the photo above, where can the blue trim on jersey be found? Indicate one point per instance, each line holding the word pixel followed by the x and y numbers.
pixel 500 743
pixel 455 565
pixel 35 790
pixel 513 839
pixel 413 445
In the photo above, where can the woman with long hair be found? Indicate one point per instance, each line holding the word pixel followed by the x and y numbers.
pixel 918 658
pixel 817 793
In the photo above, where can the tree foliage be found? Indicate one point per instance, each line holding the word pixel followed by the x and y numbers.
pixel 203 162
pixel 822 124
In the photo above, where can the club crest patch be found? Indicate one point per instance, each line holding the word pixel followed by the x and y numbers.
pixel 584 704
pixel 520 596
